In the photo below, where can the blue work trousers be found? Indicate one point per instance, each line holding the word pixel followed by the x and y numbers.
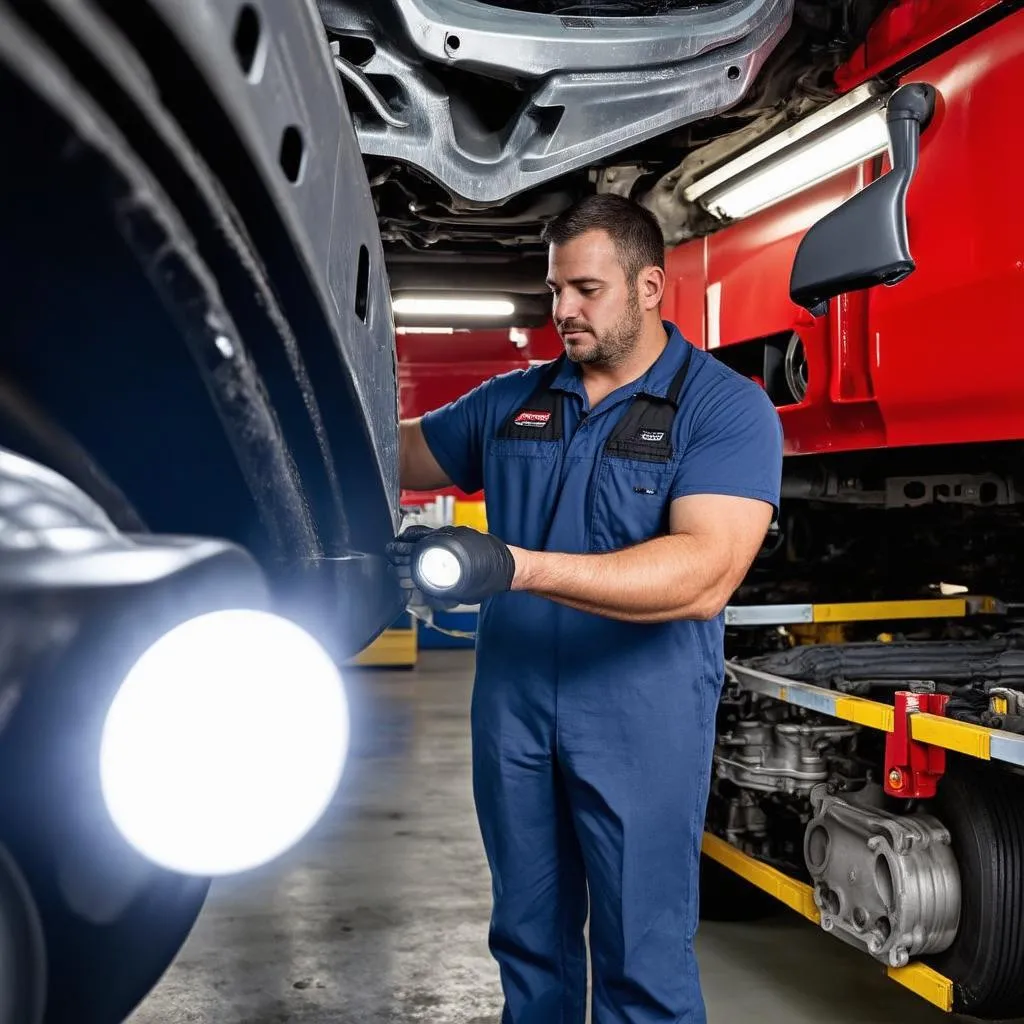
pixel 594 781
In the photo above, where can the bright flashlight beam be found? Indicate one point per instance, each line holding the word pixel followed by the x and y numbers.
pixel 439 568
pixel 225 743
pixel 410 306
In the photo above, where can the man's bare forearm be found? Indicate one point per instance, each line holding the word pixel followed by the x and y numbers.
pixel 667 578
pixel 418 470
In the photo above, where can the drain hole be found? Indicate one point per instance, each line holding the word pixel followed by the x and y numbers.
pixel 453 42
pixel 830 899
pixel 247 38
pixel 292 151
pixel 362 282
pixel 733 73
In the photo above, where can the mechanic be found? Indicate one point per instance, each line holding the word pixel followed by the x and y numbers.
pixel 629 485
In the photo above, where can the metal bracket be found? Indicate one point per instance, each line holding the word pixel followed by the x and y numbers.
pixel 591 87
pixel 913 768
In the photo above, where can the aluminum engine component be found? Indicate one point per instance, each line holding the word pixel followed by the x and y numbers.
pixel 886 883
pixel 778 752
pixel 593 86
pixel 746 823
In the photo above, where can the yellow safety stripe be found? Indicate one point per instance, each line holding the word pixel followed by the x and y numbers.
pixel 803 615
pixel 393 647
pixel 963 737
pixel 926 983
pixel 794 894
pixel 866 611
pixel 865 712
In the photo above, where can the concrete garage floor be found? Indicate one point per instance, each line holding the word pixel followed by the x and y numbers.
pixel 381 914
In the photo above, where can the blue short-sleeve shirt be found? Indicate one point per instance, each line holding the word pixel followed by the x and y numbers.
pixel 577 489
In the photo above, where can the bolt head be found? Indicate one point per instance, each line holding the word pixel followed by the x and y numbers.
pixel 896 778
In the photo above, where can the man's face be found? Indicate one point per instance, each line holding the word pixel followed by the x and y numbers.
pixel 596 309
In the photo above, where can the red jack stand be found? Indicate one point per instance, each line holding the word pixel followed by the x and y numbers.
pixel 913 769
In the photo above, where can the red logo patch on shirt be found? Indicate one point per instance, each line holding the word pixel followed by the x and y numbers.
pixel 528 418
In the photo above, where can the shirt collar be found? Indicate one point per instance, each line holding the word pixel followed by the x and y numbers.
pixel 655 382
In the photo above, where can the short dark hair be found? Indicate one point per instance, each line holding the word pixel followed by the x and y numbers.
pixel 632 227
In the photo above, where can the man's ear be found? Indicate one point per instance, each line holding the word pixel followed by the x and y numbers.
pixel 651 282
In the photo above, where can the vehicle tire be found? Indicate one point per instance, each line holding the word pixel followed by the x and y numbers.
pixel 22 948
pixel 724 896
pixel 982 805
pixel 100 973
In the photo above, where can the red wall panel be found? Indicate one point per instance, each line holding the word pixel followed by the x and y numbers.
pixel 434 369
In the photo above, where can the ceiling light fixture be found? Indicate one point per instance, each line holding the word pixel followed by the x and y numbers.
pixel 418 306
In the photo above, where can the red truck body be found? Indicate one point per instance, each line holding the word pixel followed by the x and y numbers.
pixel 936 359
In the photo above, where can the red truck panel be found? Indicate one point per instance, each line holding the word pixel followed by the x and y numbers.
pixel 938 358
pixel 949 340
pixel 744 294
pixel 437 368
pixel 684 290
pixel 902 30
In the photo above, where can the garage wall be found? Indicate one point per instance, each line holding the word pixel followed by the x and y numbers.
pixel 437 368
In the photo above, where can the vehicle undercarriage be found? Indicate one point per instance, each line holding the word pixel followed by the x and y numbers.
pixel 471 150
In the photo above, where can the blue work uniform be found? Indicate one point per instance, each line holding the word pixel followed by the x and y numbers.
pixel 592 737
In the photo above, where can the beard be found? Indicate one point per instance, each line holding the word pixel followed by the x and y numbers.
pixel 608 347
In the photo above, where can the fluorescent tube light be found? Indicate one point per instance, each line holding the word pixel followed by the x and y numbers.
pixel 415 306
pixel 857 142
pixel 840 136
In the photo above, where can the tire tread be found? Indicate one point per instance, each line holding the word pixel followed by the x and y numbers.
pixel 983 807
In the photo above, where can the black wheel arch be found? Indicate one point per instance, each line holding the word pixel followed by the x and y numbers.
pixel 213 337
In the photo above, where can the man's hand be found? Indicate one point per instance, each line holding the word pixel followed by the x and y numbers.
pixel 452 565
pixel 399 554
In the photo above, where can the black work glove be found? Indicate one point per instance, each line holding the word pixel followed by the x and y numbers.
pixel 486 566
pixel 399 554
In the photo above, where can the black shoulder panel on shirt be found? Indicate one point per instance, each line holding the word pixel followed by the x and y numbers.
pixel 540 419
pixel 645 430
